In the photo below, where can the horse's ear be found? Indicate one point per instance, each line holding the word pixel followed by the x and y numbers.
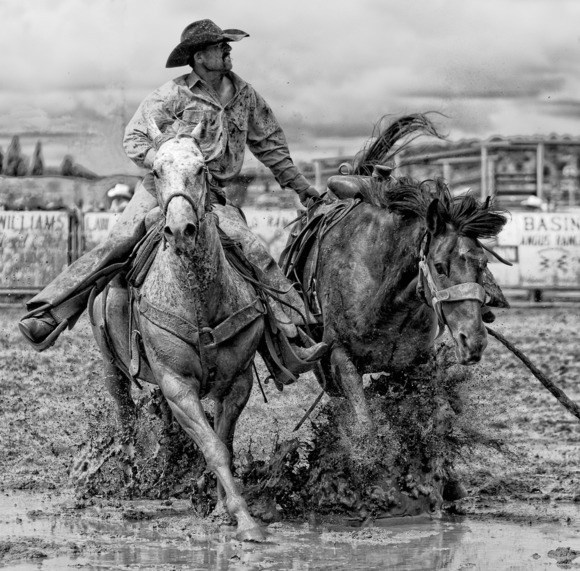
pixel 435 221
pixel 197 132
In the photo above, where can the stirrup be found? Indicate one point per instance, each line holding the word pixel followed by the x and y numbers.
pixel 292 361
pixel 50 340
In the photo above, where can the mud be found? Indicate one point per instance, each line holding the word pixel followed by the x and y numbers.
pixel 55 532
pixel 520 473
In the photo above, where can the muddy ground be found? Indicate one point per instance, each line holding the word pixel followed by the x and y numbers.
pixel 523 499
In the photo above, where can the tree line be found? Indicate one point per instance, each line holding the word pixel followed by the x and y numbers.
pixel 15 163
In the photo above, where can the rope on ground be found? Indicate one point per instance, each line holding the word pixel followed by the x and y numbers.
pixel 309 411
pixel 569 405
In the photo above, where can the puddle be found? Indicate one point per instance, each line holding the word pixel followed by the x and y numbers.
pixel 39 532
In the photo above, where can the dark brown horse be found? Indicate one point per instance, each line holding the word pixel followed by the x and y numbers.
pixel 390 268
pixel 190 289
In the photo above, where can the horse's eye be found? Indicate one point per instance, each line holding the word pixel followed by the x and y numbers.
pixel 441 269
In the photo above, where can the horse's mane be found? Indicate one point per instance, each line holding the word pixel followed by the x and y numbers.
pixel 175 131
pixel 410 199
pixel 386 141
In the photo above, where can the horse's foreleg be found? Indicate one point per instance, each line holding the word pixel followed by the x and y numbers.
pixel 119 386
pixel 348 379
pixel 187 409
pixel 227 413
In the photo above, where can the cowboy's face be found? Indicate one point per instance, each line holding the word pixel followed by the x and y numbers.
pixel 217 57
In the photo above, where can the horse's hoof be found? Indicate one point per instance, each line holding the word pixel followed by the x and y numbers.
pixel 255 534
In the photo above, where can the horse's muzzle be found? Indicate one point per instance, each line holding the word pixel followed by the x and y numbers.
pixel 181 226
pixel 182 238
pixel 469 348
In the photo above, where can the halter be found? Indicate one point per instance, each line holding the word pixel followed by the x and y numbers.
pixel 461 292
pixel 196 207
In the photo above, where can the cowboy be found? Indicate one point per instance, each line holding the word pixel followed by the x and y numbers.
pixel 120 195
pixel 233 115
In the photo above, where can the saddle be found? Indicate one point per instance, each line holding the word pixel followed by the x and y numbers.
pixel 307 234
pixel 344 187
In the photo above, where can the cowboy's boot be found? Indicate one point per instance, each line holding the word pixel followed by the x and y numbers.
pixel 43 324
pixel 41 330
pixel 60 303
pixel 296 357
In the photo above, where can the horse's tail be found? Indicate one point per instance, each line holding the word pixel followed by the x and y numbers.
pixel 380 151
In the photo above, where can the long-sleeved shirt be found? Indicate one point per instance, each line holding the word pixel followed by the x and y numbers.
pixel 245 120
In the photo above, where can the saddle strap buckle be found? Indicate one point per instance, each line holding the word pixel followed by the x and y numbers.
pixel 209 340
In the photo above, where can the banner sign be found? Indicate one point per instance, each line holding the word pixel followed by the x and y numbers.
pixel 545 249
pixel 34 247
pixel 268 225
pixel 96 227
pixel 271 226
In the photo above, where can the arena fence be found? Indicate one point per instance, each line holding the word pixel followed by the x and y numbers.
pixel 544 248
pixel 35 246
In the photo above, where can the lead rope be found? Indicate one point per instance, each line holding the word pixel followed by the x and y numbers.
pixel 259 381
pixel 318 365
pixel 563 399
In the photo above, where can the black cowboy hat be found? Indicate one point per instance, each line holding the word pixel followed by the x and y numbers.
pixel 198 35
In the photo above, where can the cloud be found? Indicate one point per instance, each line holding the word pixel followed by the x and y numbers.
pixel 329 69
pixel 568 109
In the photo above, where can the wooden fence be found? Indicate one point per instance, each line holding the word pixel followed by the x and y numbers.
pixel 35 246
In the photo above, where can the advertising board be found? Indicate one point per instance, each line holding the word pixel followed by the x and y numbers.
pixel 96 226
pixel 271 226
pixel 34 247
pixel 544 248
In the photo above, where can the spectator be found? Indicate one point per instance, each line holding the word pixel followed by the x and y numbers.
pixel 120 196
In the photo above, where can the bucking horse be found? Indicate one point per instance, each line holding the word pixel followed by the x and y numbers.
pixel 386 264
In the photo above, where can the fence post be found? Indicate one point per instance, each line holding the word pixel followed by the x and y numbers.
pixel 484 172
pixel 540 170
pixel 317 175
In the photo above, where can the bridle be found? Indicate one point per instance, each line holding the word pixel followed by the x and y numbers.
pixel 197 207
pixel 468 291
pixel 160 139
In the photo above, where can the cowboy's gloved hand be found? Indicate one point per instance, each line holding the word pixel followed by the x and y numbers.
pixel 306 195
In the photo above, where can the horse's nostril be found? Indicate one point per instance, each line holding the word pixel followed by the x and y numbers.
pixel 189 230
pixel 167 231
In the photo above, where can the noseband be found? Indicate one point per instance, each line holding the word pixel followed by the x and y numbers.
pixel 468 291
pixel 196 207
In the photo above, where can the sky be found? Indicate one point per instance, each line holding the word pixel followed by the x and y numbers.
pixel 74 72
